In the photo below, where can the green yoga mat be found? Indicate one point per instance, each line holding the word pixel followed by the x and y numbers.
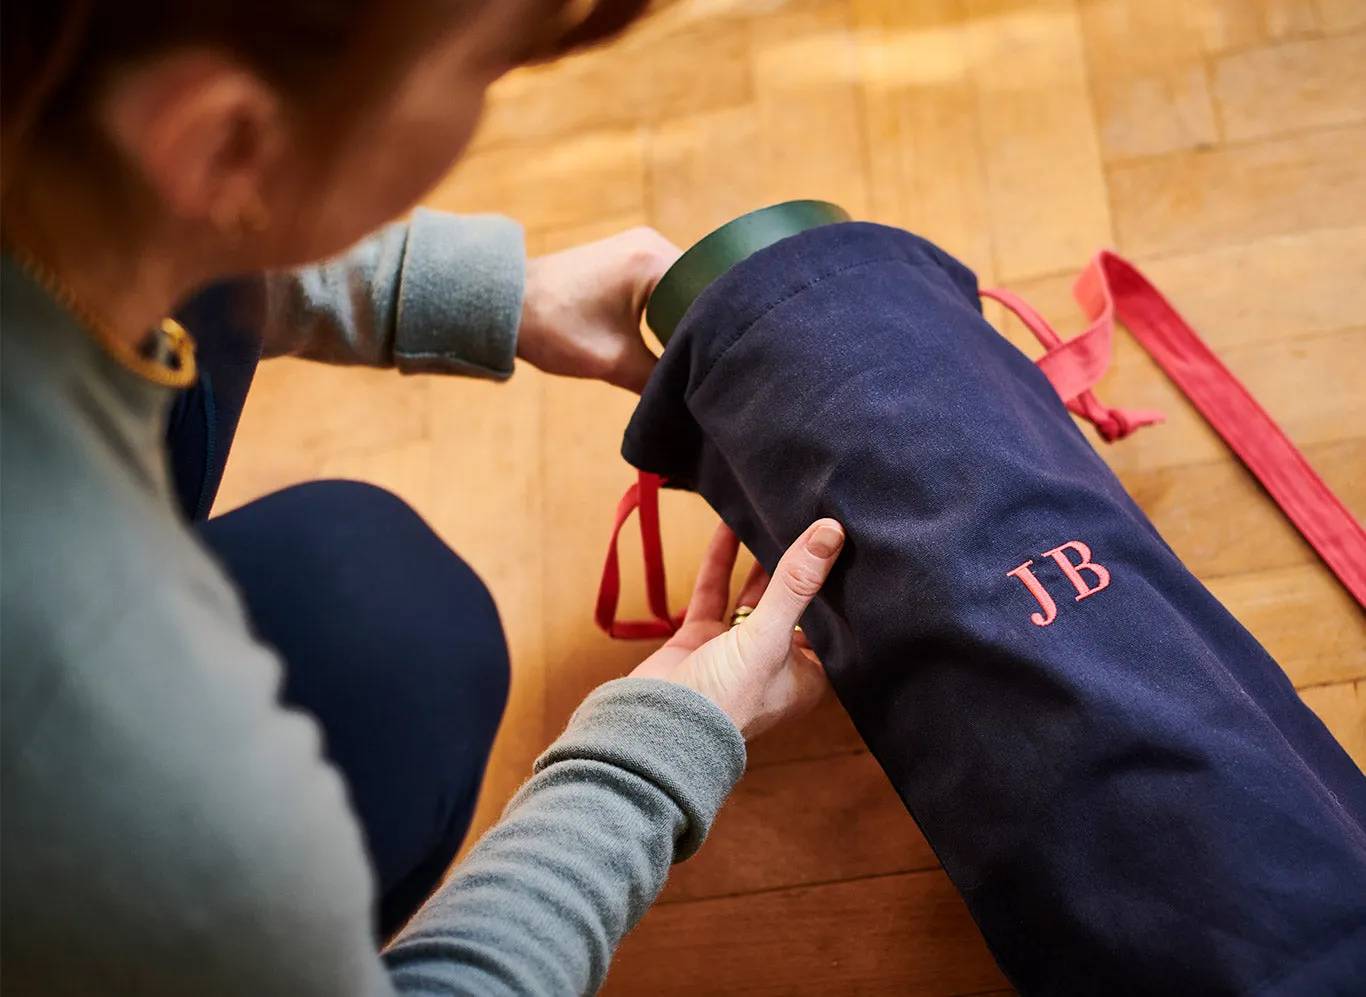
pixel 718 252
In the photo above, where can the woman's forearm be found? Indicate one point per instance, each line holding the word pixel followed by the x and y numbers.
pixel 581 852
pixel 439 293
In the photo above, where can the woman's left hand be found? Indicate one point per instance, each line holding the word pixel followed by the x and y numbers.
pixel 581 315
pixel 759 672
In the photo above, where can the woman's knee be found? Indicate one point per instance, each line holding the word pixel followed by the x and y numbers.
pixel 359 568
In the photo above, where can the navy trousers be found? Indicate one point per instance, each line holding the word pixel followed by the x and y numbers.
pixel 388 638
pixel 1120 781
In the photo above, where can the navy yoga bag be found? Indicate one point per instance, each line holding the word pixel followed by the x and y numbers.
pixel 1123 785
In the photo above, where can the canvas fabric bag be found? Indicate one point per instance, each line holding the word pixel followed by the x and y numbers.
pixel 1123 785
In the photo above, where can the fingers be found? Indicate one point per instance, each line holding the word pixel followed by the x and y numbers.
pixel 753 589
pixel 650 255
pixel 798 577
pixel 633 370
pixel 711 591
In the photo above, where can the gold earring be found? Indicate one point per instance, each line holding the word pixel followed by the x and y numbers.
pixel 249 216
pixel 253 217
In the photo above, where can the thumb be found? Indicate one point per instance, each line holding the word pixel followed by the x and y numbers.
pixel 634 367
pixel 798 577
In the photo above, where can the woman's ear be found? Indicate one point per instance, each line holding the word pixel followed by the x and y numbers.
pixel 202 130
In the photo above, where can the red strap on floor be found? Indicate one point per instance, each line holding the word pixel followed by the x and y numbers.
pixel 1109 288
pixel 1113 285
pixel 642 496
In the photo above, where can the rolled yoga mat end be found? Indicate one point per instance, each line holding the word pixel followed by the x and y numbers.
pixel 718 252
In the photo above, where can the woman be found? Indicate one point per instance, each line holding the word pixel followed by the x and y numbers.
pixel 176 689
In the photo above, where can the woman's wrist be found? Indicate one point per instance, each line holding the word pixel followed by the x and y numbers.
pixel 582 308
pixel 664 732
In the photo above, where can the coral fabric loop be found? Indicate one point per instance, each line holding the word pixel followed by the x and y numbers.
pixel 1076 366
pixel 643 497
pixel 1109 289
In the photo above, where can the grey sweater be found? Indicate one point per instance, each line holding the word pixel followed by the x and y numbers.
pixel 166 826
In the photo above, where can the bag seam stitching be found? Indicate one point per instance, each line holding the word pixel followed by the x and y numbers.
pixel 788 297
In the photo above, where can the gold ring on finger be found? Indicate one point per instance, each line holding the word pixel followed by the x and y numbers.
pixel 740 615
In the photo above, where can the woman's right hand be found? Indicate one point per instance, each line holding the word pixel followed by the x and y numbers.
pixel 759 672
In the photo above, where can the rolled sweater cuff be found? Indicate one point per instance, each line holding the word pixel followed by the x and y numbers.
pixel 460 295
pixel 665 733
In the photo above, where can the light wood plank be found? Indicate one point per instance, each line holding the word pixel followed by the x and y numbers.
pixel 483 433
pixel 649 77
pixel 1304 619
pixel 301 413
pixel 557 185
pixel 1307 385
pixel 1277 288
pixel 1219 520
pixel 584 477
pixel 891 935
pixel 1341 15
pixel 1342 708
pixel 825 731
pixel 1257 292
pixel 804 822
pixel 810 137
pixel 919 109
pixel 1148 79
pixel 1314 83
pixel 1229 25
pixel 1193 201
pixel 1042 160
pixel 703 172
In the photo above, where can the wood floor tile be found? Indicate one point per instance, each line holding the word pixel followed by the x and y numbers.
pixel 1341 15
pixel 890 935
pixel 1189 202
pixel 481 432
pixel 576 181
pixel 641 84
pixel 301 413
pixel 1282 287
pixel 582 480
pixel 804 822
pixel 809 129
pixel 1278 288
pixel 1342 708
pixel 919 109
pixel 704 170
pixel 1148 77
pixel 1238 24
pixel 1219 520
pixel 1304 619
pixel 1313 83
pixel 1042 160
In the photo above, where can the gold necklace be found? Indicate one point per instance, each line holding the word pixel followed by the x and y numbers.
pixel 170 360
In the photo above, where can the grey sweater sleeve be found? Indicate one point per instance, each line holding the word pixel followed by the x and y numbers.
pixel 583 849
pixel 438 293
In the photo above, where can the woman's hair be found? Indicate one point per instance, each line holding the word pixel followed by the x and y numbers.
pixel 54 53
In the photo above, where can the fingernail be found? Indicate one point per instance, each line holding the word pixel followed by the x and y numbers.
pixel 825 541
